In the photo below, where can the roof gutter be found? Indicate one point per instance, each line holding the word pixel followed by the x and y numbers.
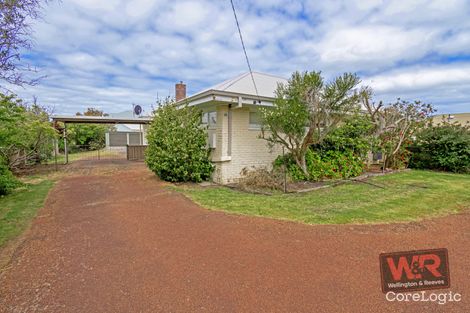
pixel 229 97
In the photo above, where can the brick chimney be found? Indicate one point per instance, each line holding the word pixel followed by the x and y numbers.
pixel 180 91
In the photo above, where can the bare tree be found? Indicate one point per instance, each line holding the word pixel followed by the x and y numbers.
pixel 15 35
pixel 395 123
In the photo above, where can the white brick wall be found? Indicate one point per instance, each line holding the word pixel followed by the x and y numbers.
pixel 247 149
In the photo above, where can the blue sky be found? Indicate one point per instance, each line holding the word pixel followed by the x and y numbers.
pixel 111 53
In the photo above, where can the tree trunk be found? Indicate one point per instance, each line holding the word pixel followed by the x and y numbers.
pixel 300 160
pixel 384 166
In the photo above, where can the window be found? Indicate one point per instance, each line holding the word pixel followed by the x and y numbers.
pixel 205 118
pixel 212 119
pixel 209 118
pixel 255 120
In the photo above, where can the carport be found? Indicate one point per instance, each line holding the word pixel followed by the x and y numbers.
pixel 136 150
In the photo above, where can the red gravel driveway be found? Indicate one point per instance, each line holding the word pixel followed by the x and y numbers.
pixel 121 241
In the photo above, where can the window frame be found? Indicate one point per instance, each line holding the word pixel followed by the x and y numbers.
pixel 254 126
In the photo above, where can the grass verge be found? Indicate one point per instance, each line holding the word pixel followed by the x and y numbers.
pixel 405 196
pixel 19 208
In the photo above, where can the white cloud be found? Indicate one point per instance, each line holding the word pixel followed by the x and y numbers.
pixel 422 78
pixel 114 52
pixel 108 5
pixel 445 86
pixel 185 16
pixel 375 45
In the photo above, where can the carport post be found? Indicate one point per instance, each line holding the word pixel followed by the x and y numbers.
pixel 56 145
pixel 65 144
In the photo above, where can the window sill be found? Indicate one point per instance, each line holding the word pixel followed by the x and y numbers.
pixel 223 159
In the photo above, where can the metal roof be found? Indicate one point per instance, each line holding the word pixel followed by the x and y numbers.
pixel 243 84
pixel 240 90
pixel 100 119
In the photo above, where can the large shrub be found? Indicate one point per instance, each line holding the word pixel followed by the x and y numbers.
pixel 442 147
pixel 177 147
pixel 353 136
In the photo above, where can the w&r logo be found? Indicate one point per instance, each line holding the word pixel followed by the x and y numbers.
pixel 414 270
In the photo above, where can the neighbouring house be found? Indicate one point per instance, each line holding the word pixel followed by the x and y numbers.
pixel 461 118
pixel 125 134
pixel 231 113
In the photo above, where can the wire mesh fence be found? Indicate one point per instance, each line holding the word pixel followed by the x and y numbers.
pixel 86 152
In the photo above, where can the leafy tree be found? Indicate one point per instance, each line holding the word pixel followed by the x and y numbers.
pixel 394 126
pixel 88 136
pixel 177 144
pixel 444 146
pixel 306 110
pixel 15 33
pixel 92 112
pixel 25 132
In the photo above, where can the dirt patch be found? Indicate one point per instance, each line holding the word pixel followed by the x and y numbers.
pixel 112 238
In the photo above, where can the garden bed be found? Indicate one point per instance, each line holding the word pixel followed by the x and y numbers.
pixel 307 186
pixel 404 196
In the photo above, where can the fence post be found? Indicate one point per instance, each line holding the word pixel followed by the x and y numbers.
pixel 285 171
pixel 65 144
pixel 98 154
pixel 55 154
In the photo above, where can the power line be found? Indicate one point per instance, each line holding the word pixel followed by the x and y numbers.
pixel 244 49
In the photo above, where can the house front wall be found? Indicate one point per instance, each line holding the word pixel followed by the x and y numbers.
pixel 237 144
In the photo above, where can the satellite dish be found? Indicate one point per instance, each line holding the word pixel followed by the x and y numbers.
pixel 137 109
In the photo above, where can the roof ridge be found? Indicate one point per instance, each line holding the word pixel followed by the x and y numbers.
pixel 269 74
pixel 240 84
pixel 234 80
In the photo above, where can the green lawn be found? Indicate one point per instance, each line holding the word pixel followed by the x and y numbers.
pixel 406 196
pixel 20 207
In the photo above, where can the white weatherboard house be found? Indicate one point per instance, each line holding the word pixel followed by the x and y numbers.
pixel 231 112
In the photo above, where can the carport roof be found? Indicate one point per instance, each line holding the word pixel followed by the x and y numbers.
pixel 100 119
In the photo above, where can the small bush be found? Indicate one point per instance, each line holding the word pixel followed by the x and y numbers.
pixel 177 147
pixel 330 164
pixel 336 164
pixel 7 180
pixel 261 178
pixel 442 147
